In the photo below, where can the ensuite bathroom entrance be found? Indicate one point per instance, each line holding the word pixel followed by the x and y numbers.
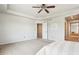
pixel 42 30
pixel 39 30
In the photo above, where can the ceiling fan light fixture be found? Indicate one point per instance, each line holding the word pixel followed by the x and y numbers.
pixel 44 6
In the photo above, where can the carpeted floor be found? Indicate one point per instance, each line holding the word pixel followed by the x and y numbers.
pixel 29 47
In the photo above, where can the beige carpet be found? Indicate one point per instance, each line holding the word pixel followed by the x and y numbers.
pixel 29 47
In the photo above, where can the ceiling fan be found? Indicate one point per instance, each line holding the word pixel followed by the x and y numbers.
pixel 43 7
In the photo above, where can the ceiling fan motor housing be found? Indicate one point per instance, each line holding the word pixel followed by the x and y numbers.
pixel 44 6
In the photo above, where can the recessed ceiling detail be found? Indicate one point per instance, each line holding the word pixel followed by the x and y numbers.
pixel 27 10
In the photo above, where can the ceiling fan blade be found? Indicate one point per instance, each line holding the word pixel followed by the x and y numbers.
pixel 40 10
pixel 35 7
pixel 50 6
pixel 46 10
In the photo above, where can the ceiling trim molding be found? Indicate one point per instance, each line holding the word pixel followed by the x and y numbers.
pixel 20 14
pixel 11 12
pixel 67 13
pixel 8 11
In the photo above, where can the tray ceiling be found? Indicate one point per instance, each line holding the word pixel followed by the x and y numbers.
pixel 28 10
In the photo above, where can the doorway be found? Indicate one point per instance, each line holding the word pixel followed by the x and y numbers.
pixel 39 31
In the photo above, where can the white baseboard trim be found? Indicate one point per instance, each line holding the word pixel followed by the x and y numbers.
pixel 2 43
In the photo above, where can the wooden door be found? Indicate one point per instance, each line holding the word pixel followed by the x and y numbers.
pixel 39 30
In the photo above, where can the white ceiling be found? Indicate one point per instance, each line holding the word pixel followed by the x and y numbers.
pixel 28 10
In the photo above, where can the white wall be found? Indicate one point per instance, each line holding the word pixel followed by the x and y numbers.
pixel 44 30
pixel 56 29
pixel 15 28
pixel 56 26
